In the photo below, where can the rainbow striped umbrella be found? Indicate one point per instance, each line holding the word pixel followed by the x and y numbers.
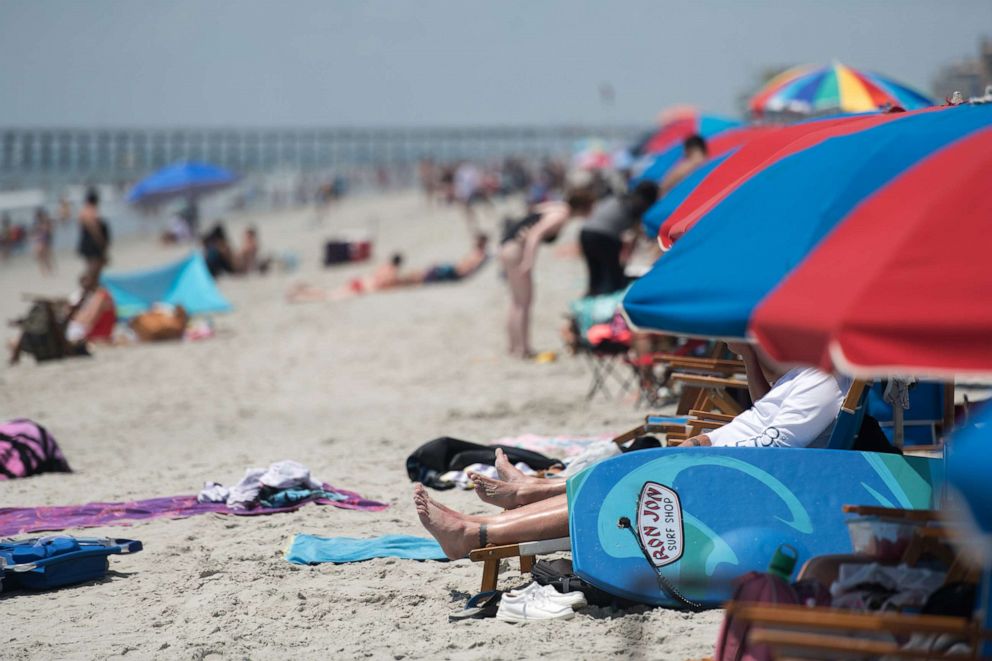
pixel 812 90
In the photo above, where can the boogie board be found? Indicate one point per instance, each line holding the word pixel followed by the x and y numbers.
pixel 706 516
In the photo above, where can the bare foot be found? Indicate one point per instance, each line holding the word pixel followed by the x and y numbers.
pixel 420 492
pixel 507 471
pixel 457 536
pixel 510 495
pixel 496 492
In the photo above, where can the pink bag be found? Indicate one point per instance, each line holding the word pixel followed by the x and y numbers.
pixel 752 588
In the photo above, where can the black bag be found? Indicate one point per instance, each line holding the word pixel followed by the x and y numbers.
pixel 434 458
pixel 336 252
pixel 558 574
pixel 41 333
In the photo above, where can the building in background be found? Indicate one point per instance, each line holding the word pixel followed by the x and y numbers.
pixel 969 76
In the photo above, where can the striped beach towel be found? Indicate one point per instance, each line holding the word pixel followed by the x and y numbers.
pixel 26 448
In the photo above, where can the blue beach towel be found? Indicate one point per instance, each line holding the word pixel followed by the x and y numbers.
pixel 312 550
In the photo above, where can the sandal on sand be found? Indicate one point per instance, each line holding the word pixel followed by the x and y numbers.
pixel 481 606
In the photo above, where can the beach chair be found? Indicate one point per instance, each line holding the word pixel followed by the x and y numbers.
pixel 800 632
pixel 843 436
pixel 607 363
pixel 820 632
pixel 491 556
pixel 924 424
pixel 705 382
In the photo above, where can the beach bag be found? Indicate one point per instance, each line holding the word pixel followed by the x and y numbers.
pixel 436 457
pixel 26 448
pixel 158 325
pixel 559 575
pixel 752 588
pixel 41 333
pixel 336 252
pixel 44 563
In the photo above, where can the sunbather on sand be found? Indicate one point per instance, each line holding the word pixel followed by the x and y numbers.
pixel 388 276
pixel 798 409
pixel 454 271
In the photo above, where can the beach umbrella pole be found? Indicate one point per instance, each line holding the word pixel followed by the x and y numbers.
pixel 985 613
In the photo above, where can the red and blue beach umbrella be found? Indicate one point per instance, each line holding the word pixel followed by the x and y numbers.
pixel 663 149
pixel 836 88
pixel 920 300
pixel 915 270
pixel 751 159
pixel 720 148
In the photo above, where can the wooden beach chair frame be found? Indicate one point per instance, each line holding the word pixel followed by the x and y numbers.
pixel 790 629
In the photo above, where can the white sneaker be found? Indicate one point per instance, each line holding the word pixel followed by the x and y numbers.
pixel 532 607
pixel 573 600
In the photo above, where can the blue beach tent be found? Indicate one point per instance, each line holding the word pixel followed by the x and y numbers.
pixel 187 283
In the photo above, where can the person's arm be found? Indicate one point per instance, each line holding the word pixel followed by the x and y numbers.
pixel 550 223
pixel 757 384
pixel 806 405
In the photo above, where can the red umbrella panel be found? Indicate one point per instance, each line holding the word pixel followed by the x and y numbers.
pixel 903 285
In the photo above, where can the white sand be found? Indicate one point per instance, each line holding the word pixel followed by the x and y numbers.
pixel 349 389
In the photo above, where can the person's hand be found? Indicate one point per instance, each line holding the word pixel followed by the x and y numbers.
pixel 700 441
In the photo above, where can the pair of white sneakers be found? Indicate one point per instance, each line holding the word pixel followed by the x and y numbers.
pixel 537 602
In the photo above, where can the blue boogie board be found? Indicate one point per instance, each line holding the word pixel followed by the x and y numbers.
pixel 708 515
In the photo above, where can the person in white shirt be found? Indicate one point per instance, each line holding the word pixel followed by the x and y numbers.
pixel 798 409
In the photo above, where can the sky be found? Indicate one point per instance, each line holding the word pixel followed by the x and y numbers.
pixel 301 63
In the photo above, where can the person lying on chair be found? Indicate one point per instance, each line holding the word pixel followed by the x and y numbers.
pixel 796 409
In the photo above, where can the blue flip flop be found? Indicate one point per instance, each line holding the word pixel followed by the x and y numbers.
pixel 481 606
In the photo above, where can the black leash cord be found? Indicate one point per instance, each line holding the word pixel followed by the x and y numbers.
pixel 663 582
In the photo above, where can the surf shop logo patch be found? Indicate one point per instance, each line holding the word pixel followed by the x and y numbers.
pixel 659 524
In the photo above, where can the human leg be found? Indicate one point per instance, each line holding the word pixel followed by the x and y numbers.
pixel 510 495
pixel 587 241
pixel 613 275
pixel 520 296
pixel 457 535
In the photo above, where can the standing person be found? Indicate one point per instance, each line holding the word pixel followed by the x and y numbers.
pixel 468 192
pixel 65 210
pixel 43 232
pixel 603 235
pixel 94 234
pixel 518 252
pixel 6 236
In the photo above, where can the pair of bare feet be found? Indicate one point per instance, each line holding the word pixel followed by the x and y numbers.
pixel 459 533
pixel 514 488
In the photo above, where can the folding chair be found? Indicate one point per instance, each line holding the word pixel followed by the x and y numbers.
pixel 607 362
pixel 924 424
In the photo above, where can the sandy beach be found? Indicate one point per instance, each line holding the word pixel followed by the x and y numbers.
pixel 348 388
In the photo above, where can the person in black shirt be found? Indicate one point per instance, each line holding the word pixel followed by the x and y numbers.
pixel 94 235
